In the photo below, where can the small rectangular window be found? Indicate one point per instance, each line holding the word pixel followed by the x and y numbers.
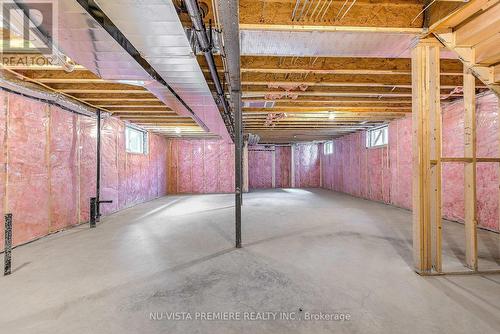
pixel 377 137
pixel 136 140
pixel 328 148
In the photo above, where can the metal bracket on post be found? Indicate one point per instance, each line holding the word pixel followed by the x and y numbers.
pixel 8 245
pixel 98 211
pixel 93 212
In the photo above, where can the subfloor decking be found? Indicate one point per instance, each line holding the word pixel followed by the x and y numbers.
pixel 313 250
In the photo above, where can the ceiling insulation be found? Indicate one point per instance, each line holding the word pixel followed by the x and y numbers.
pixel 328 44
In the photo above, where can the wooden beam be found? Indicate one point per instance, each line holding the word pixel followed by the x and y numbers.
pixel 101 91
pixel 353 93
pixel 486 52
pixel 121 100
pixel 330 28
pixel 458 14
pixel 156 105
pixel 470 170
pixel 333 105
pixel 426 147
pixel 339 65
pixel 145 112
pixel 329 109
pixel 139 109
pixel 496 74
pixel 333 100
pixel 480 28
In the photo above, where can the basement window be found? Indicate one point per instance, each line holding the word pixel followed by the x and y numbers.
pixel 377 137
pixel 136 140
pixel 328 148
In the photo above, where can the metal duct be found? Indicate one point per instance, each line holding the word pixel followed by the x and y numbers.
pixel 206 48
pixel 87 42
pixel 10 82
pixel 154 29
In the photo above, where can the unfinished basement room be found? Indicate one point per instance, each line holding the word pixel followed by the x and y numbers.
pixel 250 166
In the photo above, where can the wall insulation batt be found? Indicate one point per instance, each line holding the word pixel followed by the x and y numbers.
pixel 49 156
pixel 200 166
pixel 385 174
pixel 306 166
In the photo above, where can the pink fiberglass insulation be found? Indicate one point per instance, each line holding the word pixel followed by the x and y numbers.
pixel 64 181
pixel 200 166
pixel 3 174
pixel 88 131
pixel 488 180
pixel 486 173
pixel 452 191
pixel 385 174
pixel 51 156
pixel 28 168
pixel 349 169
pixel 226 167
pixel 400 162
pixel 211 173
pixel 109 164
pixel 282 166
pixel 158 160
pixel 130 178
pixel 307 169
pixel 260 167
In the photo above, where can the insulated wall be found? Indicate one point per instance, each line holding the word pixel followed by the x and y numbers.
pixel 306 166
pixel 487 146
pixel 260 166
pixel 350 169
pixel 385 174
pixel 50 158
pixel 283 165
pixel 200 166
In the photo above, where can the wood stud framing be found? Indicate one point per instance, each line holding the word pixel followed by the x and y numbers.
pixel 426 147
pixel 470 170
pixel 427 163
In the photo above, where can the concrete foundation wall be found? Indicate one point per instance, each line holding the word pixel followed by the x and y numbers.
pixel 49 174
pixel 385 174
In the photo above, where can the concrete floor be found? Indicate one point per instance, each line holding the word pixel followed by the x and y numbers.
pixel 313 250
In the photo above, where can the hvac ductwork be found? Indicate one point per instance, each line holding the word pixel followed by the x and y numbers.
pixel 154 30
pixel 141 42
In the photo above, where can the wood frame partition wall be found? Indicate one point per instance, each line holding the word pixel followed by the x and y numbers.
pixel 427 162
